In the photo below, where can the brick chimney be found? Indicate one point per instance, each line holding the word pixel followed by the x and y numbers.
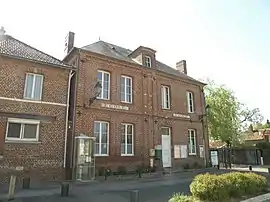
pixel 182 66
pixel 69 42
pixel 2 31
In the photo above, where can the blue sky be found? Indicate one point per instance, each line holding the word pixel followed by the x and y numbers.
pixel 224 40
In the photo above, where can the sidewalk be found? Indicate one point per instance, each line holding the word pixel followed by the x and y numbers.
pixel 255 168
pixel 124 183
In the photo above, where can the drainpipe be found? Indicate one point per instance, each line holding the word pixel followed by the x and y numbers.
pixel 204 126
pixel 71 73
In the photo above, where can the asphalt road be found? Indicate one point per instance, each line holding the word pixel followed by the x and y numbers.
pixel 152 190
pixel 157 193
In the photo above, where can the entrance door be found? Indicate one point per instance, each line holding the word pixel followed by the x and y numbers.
pixel 85 164
pixel 166 148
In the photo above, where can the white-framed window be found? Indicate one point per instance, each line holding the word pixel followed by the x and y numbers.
pixel 103 78
pixel 127 139
pixel 166 131
pixel 192 147
pixel 165 97
pixel 190 102
pixel 126 89
pixel 148 61
pixel 22 130
pixel 101 133
pixel 33 86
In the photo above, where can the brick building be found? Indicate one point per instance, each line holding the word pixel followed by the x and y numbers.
pixel 141 100
pixel 33 107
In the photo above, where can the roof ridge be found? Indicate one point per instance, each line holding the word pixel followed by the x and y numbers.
pixel 58 60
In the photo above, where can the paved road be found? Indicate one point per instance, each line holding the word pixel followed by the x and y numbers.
pixel 151 190
pixel 148 192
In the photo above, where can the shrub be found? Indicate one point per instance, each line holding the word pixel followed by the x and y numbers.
pixel 181 198
pixel 210 187
pixel 229 185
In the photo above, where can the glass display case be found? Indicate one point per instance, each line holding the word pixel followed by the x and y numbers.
pixel 85 159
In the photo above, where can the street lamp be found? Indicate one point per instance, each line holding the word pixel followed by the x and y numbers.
pixel 97 89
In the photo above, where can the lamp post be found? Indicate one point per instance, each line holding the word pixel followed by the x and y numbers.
pixel 97 89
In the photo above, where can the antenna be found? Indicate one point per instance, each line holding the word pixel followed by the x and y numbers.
pixel 99 38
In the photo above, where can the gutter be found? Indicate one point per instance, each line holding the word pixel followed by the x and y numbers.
pixel 71 73
pixel 37 61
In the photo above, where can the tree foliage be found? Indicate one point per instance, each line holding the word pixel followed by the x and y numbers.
pixel 227 117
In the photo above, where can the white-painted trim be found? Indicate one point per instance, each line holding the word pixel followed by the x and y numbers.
pixel 33 86
pixel 23 121
pixel 164 97
pixel 132 127
pixel 100 137
pixel 32 101
pixel 101 95
pixel 148 61
pixel 70 75
pixel 190 100
pixel 125 89
pixel 191 153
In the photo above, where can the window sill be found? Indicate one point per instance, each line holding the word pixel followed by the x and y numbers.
pixel 127 155
pixel 22 142
pixel 104 99
pixel 130 103
pixel 32 99
pixel 101 155
pixel 166 109
pixel 191 112
pixel 192 154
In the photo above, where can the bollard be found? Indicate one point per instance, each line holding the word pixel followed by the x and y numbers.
pixel 106 174
pixel 218 166
pixel 250 167
pixel 268 170
pixel 134 196
pixel 26 183
pixel 140 174
pixel 64 189
pixel 11 190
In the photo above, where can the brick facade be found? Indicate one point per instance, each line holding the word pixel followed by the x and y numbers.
pixel 42 159
pixel 145 112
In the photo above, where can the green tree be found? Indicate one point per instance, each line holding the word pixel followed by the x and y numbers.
pixel 227 117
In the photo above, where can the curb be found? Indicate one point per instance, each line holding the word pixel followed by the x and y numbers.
pixel 261 198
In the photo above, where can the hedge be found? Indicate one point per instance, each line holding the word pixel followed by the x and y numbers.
pixel 230 185
pixel 211 187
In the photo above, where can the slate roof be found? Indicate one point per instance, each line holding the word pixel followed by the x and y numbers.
pixel 121 53
pixel 12 47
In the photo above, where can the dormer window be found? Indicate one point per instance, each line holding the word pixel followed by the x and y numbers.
pixel 148 61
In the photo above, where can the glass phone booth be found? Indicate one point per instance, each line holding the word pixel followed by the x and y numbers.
pixel 85 159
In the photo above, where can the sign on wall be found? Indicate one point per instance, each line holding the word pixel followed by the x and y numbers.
pixel 177 151
pixel 183 151
pixel 112 106
pixel 181 116
pixel 214 158
pixel 201 151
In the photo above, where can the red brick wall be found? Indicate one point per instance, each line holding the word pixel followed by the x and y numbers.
pixel 146 108
pixel 43 159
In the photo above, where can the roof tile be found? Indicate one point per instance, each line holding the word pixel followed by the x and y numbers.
pixel 121 53
pixel 12 47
